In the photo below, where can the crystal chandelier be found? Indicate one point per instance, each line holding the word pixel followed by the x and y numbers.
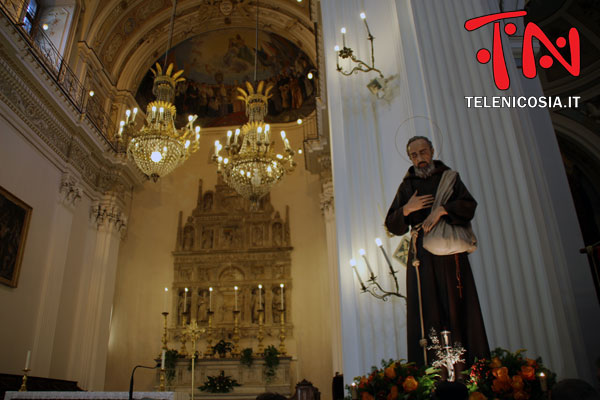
pixel 159 147
pixel 251 166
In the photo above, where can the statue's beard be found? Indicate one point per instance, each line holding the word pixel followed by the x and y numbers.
pixel 425 172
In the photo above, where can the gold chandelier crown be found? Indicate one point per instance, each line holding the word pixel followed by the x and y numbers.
pixel 159 147
pixel 251 166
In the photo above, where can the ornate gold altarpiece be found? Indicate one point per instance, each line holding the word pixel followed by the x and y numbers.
pixel 221 245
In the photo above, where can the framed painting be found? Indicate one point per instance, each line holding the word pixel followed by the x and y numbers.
pixel 14 223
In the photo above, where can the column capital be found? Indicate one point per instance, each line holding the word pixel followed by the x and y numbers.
pixel 70 191
pixel 106 213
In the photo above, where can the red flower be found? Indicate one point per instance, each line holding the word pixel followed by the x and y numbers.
pixel 367 396
pixel 410 384
pixel 390 372
pixel 393 395
pixel 527 372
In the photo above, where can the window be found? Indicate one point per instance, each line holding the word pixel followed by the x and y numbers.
pixel 30 14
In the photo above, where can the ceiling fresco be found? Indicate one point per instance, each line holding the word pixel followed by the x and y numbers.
pixel 217 62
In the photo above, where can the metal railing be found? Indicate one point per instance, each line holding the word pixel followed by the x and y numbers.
pixel 44 51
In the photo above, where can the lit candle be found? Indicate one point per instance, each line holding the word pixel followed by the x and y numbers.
pixel 543 382
pixel 210 290
pixel 267 129
pixel 161 112
pixel 128 114
pixel 343 30
pixel 364 18
pixel 258 133
pixel 166 300
pixel 229 133
pixel 260 297
pixel 237 133
pixel 353 391
pixel 134 114
pixel 28 359
pixel 217 148
pixel 162 363
pixel 153 112
pixel 380 245
pixel 185 300
pixel 363 253
pixel 281 292
pixel 353 264
pixel 235 289
pixel 337 54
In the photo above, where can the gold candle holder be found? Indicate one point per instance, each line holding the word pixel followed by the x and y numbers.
pixel 164 337
pixel 23 387
pixel 183 339
pixel 282 350
pixel 193 333
pixel 161 387
pixel 209 338
pixel 236 333
pixel 260 337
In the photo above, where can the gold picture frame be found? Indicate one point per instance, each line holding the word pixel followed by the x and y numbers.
pixel 15 215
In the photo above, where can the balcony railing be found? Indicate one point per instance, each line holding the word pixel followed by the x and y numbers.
pixel 44 51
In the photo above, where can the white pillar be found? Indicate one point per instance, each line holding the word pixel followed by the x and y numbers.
pixel 531 280
pixel 69 195
pixel 328 209
pixel 89 349
pixel 371 329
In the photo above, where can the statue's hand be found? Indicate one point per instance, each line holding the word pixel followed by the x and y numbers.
pixel 416 203
pixel 433 218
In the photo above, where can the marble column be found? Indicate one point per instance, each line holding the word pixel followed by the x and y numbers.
pixel 69 196
pixel 87 363
pixel 328 209
pixel 531 280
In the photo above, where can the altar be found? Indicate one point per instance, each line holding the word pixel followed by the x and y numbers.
pixel 252 379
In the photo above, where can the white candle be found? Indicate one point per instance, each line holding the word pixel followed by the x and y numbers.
pixel 281 292
pixel 185 300
pixel 229 133
pixel 353 265
pixel 210 289
pixel 27 359
pixel 166 300
pixel 343 30
pixel 260 297
pixel 363 253
pixel 543 382
pixel 235 289
pixel 162 364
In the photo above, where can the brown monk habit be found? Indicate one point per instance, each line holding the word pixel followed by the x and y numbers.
pixel 448 289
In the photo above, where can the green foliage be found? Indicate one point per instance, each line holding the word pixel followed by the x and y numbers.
pixel 171 357
pixel 396 380
pixel 222 347
pixel 246 357
pixel 219 384
pixel 271 357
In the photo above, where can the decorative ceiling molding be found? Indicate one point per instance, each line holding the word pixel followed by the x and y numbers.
pixel 128 40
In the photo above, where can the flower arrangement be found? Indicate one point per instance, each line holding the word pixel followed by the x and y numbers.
pixel 271 356
pixel 395 380
pixel 246 357
pixel 509 376
pixel 222 348
pixel 219 384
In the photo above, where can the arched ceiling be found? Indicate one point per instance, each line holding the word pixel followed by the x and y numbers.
pixel 127 36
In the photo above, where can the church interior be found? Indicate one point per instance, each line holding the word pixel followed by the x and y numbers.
pixel 177 175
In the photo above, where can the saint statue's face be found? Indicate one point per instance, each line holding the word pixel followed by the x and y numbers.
pixel 420 153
